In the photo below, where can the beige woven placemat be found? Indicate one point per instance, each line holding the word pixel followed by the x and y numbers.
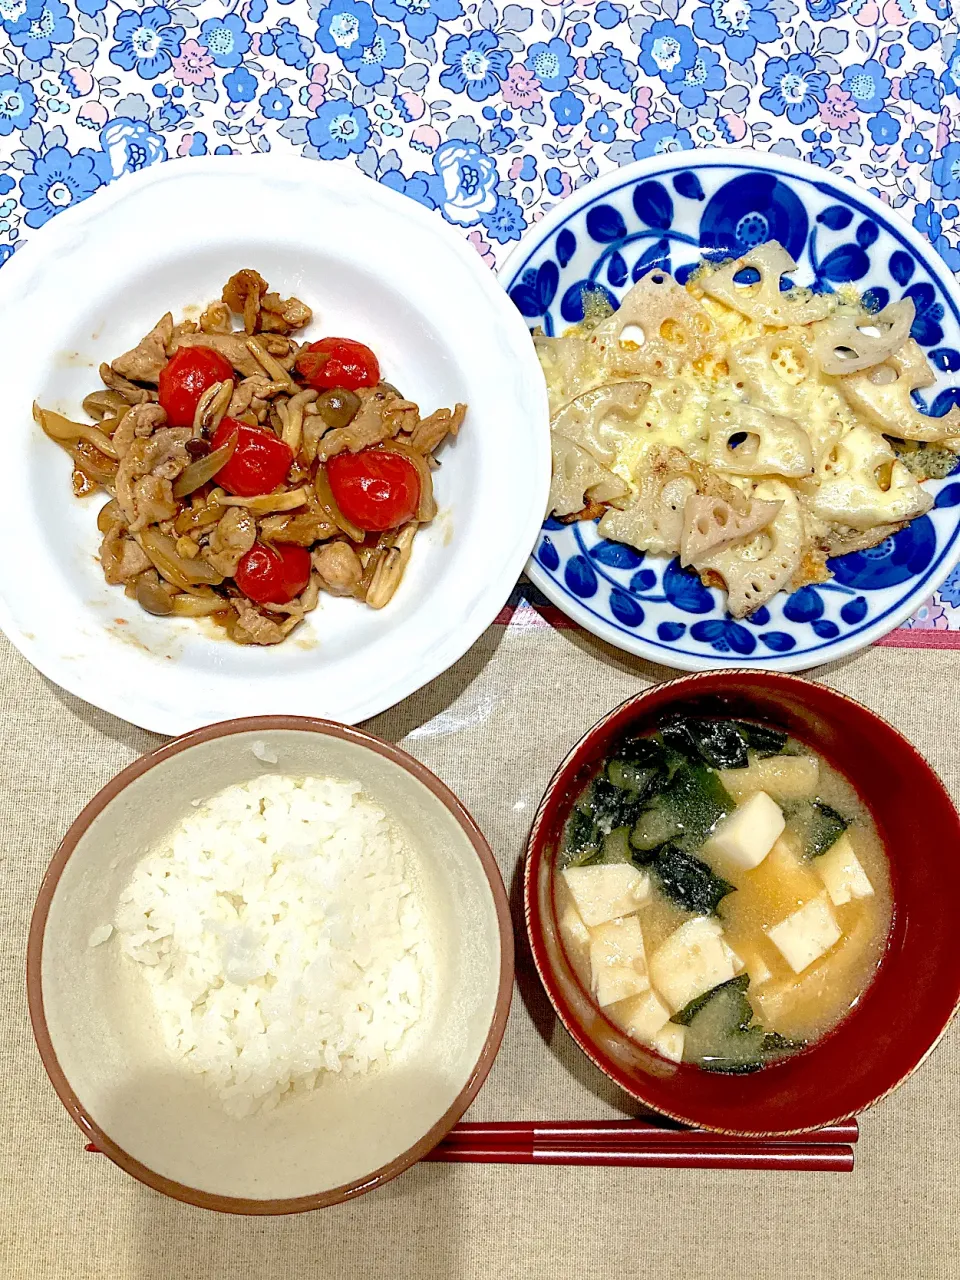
pixel 494 727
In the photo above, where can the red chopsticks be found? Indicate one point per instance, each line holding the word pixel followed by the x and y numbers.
pixel 643 1143
pixel 640 1144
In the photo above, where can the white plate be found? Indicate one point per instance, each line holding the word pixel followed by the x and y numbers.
pixel 373 265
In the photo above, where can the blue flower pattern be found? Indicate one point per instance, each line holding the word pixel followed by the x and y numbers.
pixel 226 39
pixel 38 26
pixel 488 112
pixel 58 180
pixel 146 42
pixel 475 65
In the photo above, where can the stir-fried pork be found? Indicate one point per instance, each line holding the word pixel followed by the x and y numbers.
pixel 143 483
pixel 432 431
pixel 130 392
pixel 230 541
pixel 145 361
pixel 138 423
pixel 185 514
pixel 339 568
pixel 122 558
pixel 381 416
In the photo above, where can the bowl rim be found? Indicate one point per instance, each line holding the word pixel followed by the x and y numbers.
pixel 787 166
pixel 481 1069
pixel 534 858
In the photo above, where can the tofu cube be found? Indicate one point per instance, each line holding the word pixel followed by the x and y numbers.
pixel 806 935
pixel 745 837
pixel 572 928
pixel 618 963
pixel 605 893
pixel 843 876
pixel 692 960
pixel 669 1042
pixel 642 1017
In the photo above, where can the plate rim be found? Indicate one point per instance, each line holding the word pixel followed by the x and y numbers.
pixel 740 158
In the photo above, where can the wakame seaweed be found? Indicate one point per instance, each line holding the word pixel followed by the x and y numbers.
pixel 819 825
pixel 697 800
pixel 688 881
pixel 722 744
pixel 689 1011
pixel 722 1036
pixel 761 738
pixel 612 806
pixel 640 765
pixel 581 840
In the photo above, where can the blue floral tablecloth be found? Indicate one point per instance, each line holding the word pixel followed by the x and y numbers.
pixel 486 113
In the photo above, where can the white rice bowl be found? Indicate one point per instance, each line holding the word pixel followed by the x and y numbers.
pixel 243 1107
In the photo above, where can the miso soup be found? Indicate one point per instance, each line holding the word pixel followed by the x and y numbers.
pixel 723 893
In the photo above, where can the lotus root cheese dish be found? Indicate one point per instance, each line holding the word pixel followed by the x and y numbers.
pixel 722 893
pixel 751 428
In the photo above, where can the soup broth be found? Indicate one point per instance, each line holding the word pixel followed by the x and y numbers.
pixel 723 893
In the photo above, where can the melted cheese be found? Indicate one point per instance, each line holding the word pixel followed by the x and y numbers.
pixel 773 368
pixel 676 411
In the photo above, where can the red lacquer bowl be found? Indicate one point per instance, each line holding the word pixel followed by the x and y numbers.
pixel 916 991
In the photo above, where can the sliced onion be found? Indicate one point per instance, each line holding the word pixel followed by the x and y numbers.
pixel 198 517
pixel 198 605
pixel 268 501
pixel 98 473
pixel 184 574
pixel 198 473
pixel 329 504
pixel 63 430
pixel 110 516
pixel 105 404
pixel 109 425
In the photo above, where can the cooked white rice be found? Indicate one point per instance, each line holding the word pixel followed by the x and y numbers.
pixel 281 937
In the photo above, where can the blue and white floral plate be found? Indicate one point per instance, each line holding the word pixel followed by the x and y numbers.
pixel 666 212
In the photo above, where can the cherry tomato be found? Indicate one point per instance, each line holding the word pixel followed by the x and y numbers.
pixel 375 489
pixel 273 575
pixel 260 461
pixel 185 378
pixel 338 362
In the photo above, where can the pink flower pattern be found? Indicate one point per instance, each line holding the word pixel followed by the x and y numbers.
pixel 483 248
pixel 194 65
pixel 838 109
pixel 521 89
pixel 931 616
pixel 317 86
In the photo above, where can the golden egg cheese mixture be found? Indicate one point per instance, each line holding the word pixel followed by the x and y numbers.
pixel 752 431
